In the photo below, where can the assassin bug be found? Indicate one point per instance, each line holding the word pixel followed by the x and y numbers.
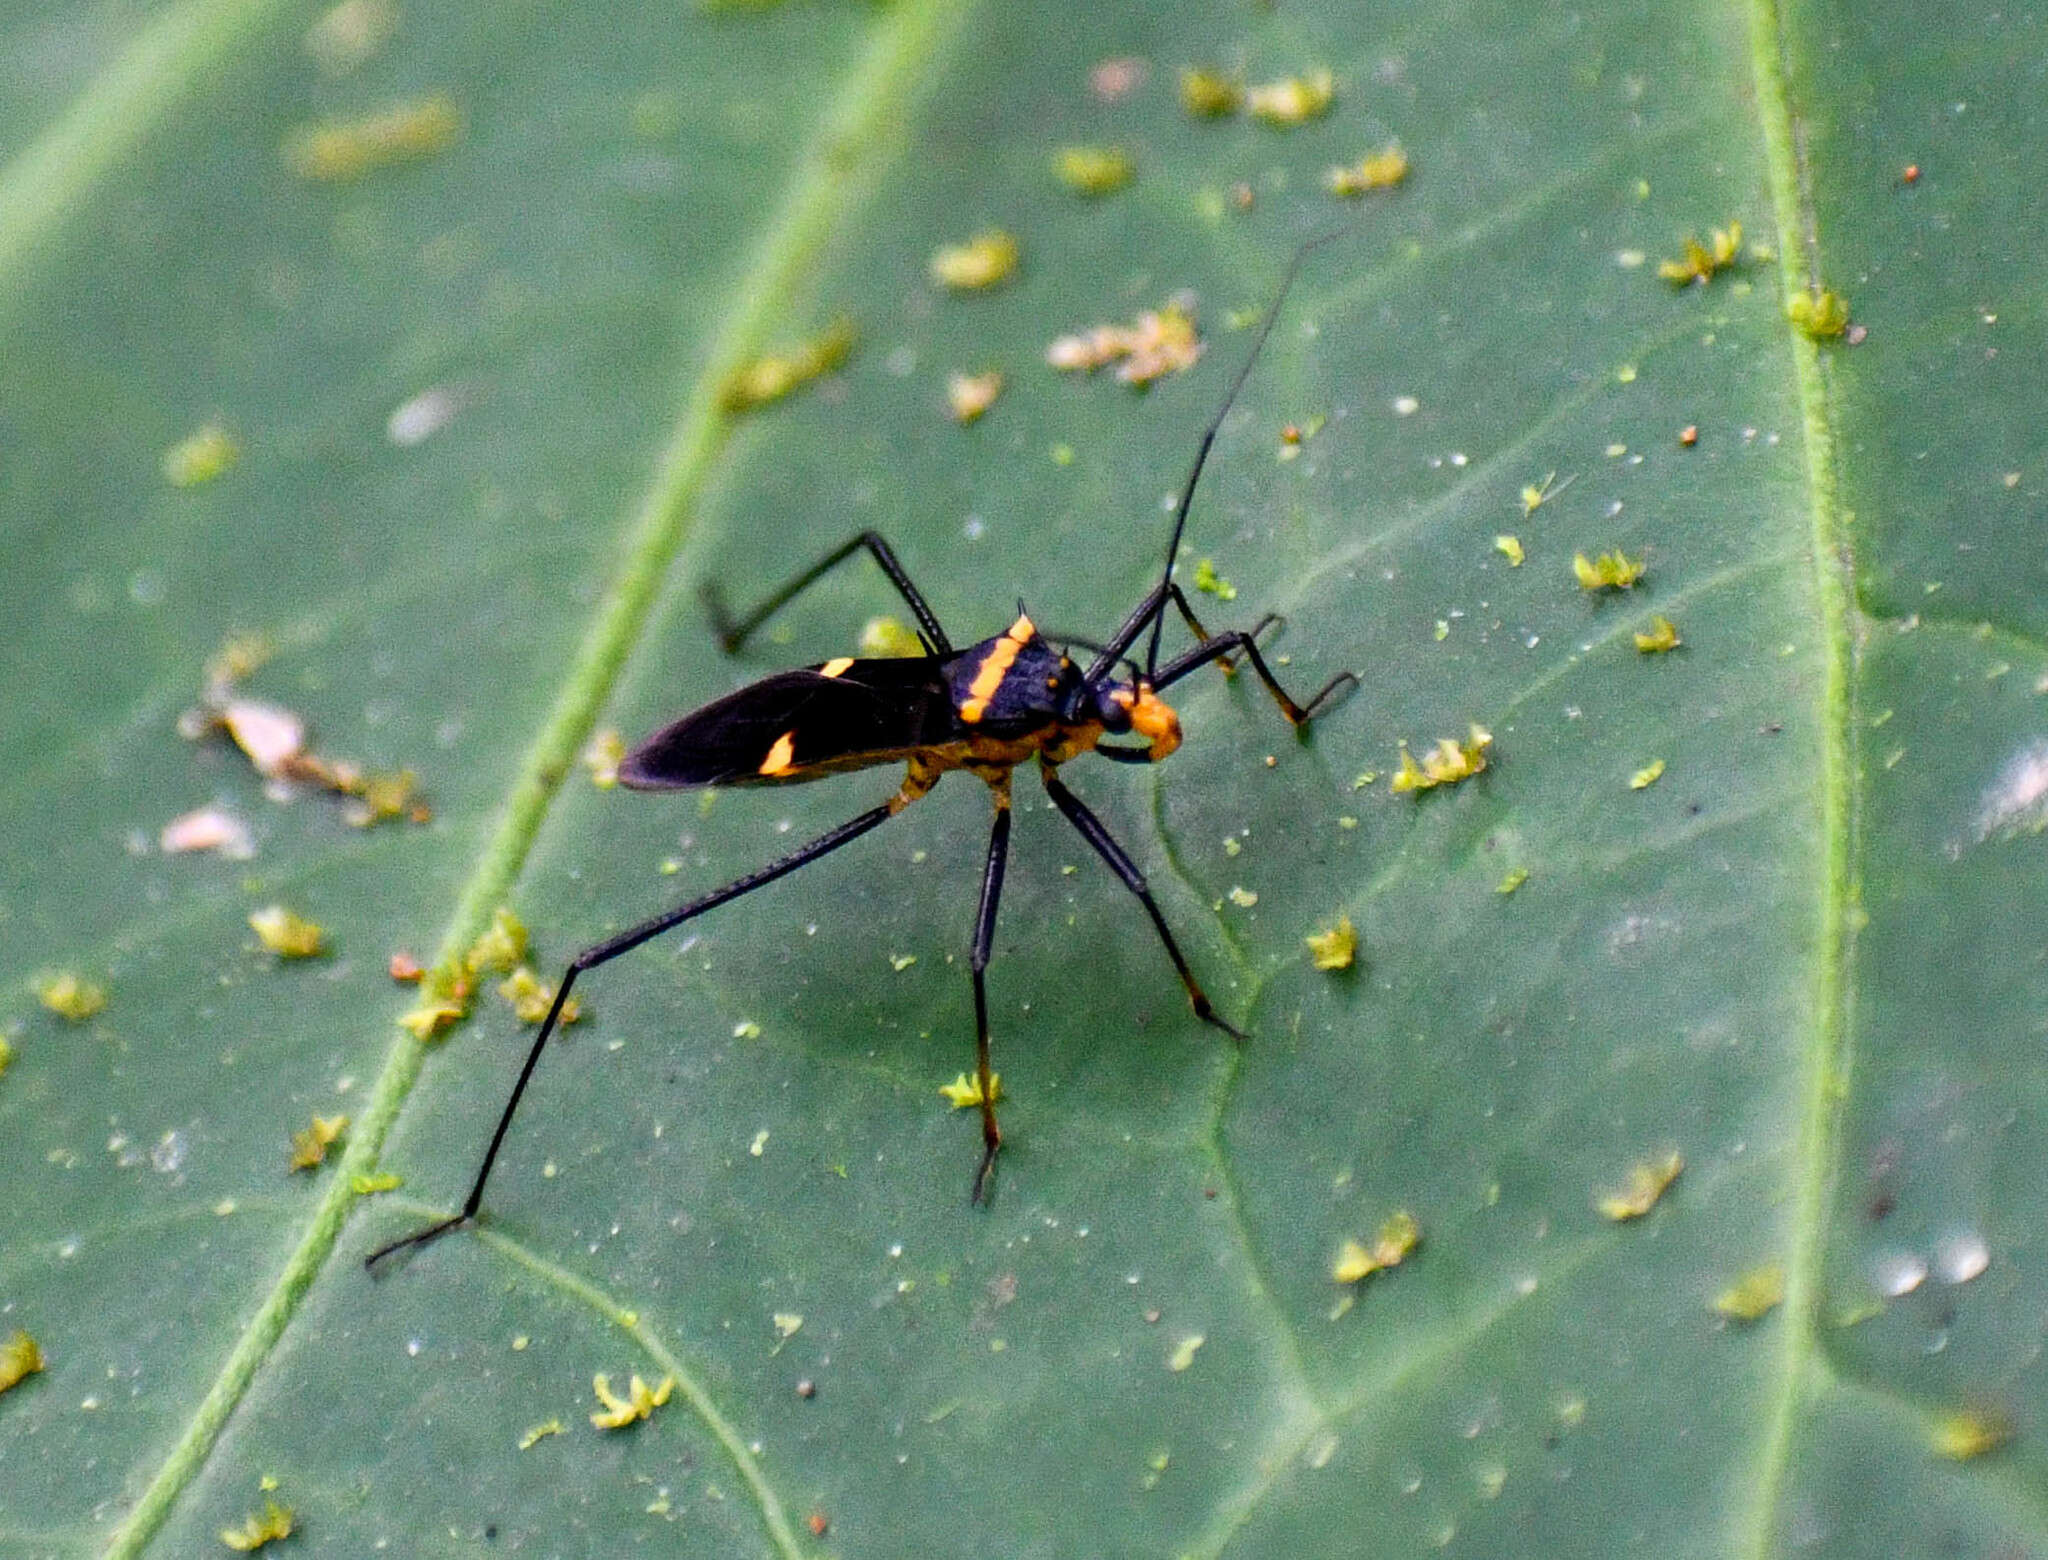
pixel 984 710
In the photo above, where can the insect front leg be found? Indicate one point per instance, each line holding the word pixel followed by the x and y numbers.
pixel 1235 640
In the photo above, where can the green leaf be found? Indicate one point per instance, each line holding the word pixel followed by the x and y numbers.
pixel 451 436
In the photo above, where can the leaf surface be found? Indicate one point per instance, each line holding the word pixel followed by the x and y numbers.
pixel 481 468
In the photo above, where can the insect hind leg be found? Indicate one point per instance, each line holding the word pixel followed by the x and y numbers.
pixel 734 632
pixel 603 953
pixel 984 943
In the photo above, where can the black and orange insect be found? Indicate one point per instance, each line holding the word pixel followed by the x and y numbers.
pixel 985 709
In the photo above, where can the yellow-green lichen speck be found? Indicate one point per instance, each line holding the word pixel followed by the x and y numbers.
pixel 20 1358
pixel 1449 762
pixel 1209 94
pixel 1821 314
pixel 1647 1182
pixel 882 637
pixel 639 1401
pixel 339 151
pixel 1292 100
pixel 965 1090
pixel 767 379
pixel 1647 776
pixel 70 995
pixel 1970 1433
pixel 1701 260
pixel 259 1528
pixel 1292 437
pixel 1510 548
pixel 371 1185
pixel 501 946
pixel 311 1142
pixel 1754 1295
pixel 1211 583
pixel 1535 495
pixel 1160 341
pixel 983 261
pixel 1662 636
pixel 349 34
pixel 1184 1352
pixel 968 396
pixel 1336 948
pixel 1396 1238
pixel 286 933
pixel 429 1018
pixel 1514 879
pixel 200 457
pixel 1610 571
pixel 1384 169
pixel 531 997
pixel 1094 170
pixel 602 755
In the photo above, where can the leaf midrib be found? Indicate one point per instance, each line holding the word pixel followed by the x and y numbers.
pixel 1816 1151
pixel 854 139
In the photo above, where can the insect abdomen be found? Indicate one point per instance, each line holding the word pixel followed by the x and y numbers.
pixel 798 726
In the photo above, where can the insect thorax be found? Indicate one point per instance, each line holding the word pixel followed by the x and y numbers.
pixel 1013 683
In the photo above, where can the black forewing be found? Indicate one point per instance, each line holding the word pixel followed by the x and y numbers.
pixel 872 712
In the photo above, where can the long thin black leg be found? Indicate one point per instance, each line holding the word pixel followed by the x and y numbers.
pixel 1235 640
pixel 733 632
pixel 604 953
pixel 984 941
pixel 1134 625
pixel 1121 864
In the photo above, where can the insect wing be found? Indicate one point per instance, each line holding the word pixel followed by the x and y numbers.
pixel 799 725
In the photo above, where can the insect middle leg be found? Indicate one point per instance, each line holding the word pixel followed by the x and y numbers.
pixel 733 632
pixel 984 942
pixel 603 953
pixel 1092 830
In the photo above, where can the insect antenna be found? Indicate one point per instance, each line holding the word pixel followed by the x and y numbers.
pixel 1187 492
pixel 1080 641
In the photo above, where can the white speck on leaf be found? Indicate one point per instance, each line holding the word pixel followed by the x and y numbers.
pixel 1898 1273
pixel 1962 1257
pixel 2017 801
pixel 419 419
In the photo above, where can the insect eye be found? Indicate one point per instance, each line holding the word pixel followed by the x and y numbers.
pixel 1114 712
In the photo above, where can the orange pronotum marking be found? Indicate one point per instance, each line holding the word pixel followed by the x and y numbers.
pixel 834 667
pixel 778 760
pixel 995 667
